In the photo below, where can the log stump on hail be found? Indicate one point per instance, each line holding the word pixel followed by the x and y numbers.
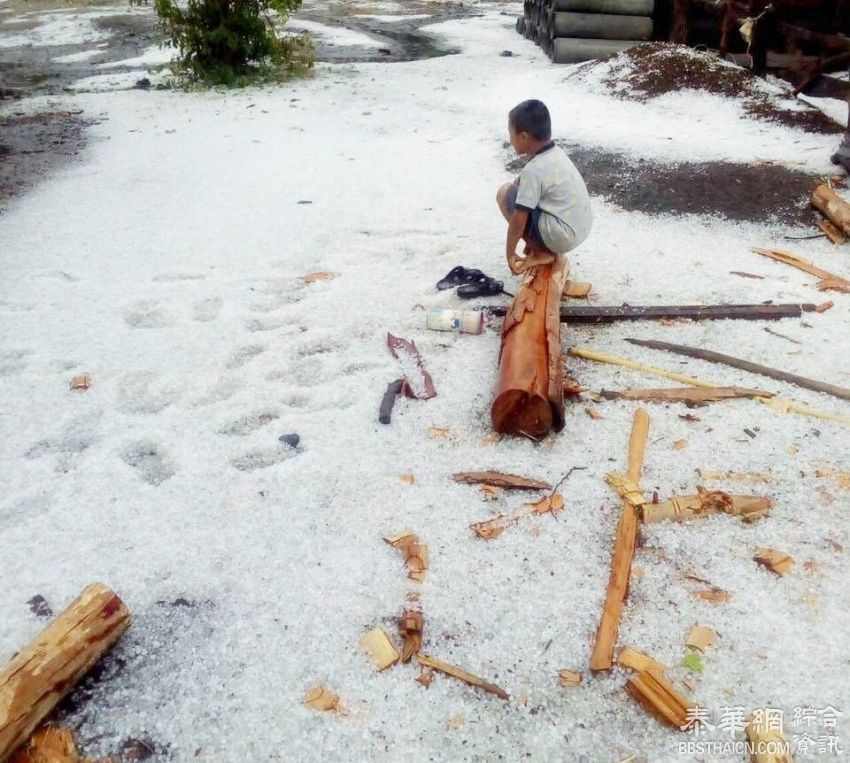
pixel 49 667
pixel 530 395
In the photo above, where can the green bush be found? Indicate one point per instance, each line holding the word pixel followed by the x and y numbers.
pixel 233 42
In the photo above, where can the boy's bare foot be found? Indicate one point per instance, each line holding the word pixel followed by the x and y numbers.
pixel 522 264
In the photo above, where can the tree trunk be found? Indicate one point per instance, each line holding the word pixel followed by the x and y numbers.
pixel 49 667
pixel 530 397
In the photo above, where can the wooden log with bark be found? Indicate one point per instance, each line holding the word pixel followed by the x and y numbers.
pixel 530 396
pixel 691 396
pixel 832 206
pixel 49 667
pixel 602 657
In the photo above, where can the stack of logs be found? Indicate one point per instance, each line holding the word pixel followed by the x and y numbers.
pixel 570 31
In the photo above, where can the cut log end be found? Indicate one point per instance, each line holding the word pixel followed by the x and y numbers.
pixel 516 411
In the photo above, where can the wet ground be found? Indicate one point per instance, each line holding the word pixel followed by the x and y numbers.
pixel 33 145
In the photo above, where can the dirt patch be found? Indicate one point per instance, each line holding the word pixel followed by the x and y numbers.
pixel 766 193
pixel 648 71
pixel 32 145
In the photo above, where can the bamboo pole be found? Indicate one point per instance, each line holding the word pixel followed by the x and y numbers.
pixel 745 365
pixel 602 657
pixel 49 667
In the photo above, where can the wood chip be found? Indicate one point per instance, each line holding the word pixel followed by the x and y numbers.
pixel 700 638
pixel 832 232
pixel 489 493
pixel 415 553
pixel 500 479
pixel 425 677
pixel 80 383
pixel 569 678
pixel 680 444
pixel 834 284
pixel 714 595
pixel 455 722
pixel 49 744
pixel 452 670
pixel 763 735
pixel 378 646
pixel 576 289
pixel 551 504
pixel 440 433
pixel 822 308
pixel 593 413
pixel 777 562
pixel 631 658
pixel 322 699
pixel 410 627
pixel 746 275
pixel 408 479
pixel 319 276
pixel 658 696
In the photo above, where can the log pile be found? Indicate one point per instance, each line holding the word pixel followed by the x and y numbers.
pixel 571 31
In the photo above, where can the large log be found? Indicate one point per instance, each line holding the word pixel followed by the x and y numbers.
pixel 530 395
pixel 602 657
pixel 574 50
pixel 604 314
pixel 618 7
pixel 832 206
pixel 49 667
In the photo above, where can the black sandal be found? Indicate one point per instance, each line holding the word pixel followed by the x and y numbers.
pixel 484 286
pixel 457 276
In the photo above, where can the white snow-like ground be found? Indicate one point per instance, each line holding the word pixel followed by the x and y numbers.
pixel 167 264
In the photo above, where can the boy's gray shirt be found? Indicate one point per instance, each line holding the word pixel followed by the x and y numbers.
pixel 551 182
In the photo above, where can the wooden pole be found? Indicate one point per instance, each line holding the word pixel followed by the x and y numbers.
pixel 745 365
pixel 602 657
pixel 606 314
pixel 49 667
pixel 529 396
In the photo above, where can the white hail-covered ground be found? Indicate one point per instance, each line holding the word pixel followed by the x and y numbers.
pixel 168 264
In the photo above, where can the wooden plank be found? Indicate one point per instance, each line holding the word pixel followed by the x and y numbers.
pixel 610 314
pixel 689 395
pixel 602 657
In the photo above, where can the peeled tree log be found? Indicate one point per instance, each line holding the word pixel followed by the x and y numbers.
pixel 681 508
pixel 49 667
pixel 832 206
pixel 530 393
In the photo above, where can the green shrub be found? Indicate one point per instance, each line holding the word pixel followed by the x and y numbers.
pixel 233 42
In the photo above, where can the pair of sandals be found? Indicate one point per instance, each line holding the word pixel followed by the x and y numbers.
pixel 470 283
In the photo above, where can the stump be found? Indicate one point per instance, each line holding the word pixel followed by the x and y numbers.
pixel 49 667
pixel 530 397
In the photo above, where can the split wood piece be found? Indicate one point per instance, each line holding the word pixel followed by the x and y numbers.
pixel 767 742
pixel 80 383
pixel 322 699
pixel 530 395
pixel 380 649
pixel 658 696
pixel 790 406
pixel 631 658
pixel 829 281
pixel 452 670
pixel 49 745
pixel 700 638
pixel 576 289
pixel 762 479
pixel 415 554
pixel 610 314
pixel 687 395
pixel 832 232
pixel 624 548
pixel 681 508
pixel 491 529
pixel 745 365
pixel 833 207
pixel 49 667
pixel 626 489
pixel 777 562
pixel 569 678
pixel 410 628
pixel 499 479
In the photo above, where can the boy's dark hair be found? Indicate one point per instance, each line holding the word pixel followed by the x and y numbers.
pixel 532 117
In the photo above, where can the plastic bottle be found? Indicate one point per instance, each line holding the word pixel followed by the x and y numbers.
pixel 462 321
